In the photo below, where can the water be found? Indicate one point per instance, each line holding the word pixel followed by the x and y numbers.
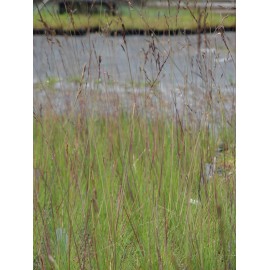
pixel 173 68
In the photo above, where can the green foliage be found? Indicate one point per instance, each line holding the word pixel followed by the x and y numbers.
pixel 122 192
pixel 132 18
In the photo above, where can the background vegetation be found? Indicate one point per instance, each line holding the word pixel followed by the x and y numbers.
pixel 135 17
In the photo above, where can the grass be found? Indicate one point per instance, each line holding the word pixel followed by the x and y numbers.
pixel 49 83
pixel 131 188
pixel 116 192
pixel 143 19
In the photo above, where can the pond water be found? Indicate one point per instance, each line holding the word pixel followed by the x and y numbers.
pixel 180 68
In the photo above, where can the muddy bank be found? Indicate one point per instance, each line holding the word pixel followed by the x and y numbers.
pixel 140 32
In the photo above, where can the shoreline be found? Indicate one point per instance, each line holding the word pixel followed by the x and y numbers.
pixel 140 32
